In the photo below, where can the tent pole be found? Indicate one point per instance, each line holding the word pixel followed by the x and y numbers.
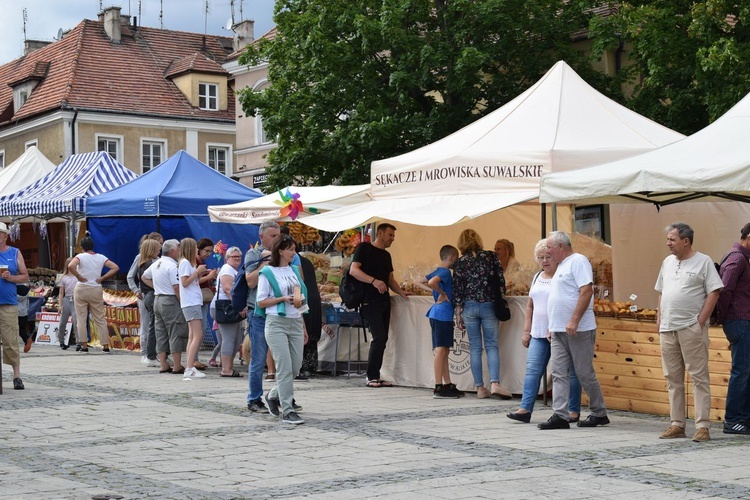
pixel 72 236
pixel 545 401
pixel 554 216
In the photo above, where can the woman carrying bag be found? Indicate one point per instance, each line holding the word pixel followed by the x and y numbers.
pixel 230 327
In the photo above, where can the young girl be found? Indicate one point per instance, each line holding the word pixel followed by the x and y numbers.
pixel 67 286
pixel 191 301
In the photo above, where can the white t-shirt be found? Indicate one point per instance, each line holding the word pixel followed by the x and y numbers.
pixel 163 273
pixel 226 270
pixel 684 285
pixel 573 273
pixel 539 295
pixel 90 267
pixel 287 281
pixel 190 295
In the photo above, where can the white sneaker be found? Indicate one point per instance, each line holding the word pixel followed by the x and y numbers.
pixel 153 363
pixel 192 373
pixel 144 360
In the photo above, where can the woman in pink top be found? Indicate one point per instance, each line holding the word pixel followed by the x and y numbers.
pixel 87 268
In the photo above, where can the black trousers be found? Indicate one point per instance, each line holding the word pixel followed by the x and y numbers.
pixel 378 318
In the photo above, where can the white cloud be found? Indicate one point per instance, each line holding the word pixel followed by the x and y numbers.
pixel 45 17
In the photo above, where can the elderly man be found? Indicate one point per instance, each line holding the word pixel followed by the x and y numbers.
pixel 733 313
pixel 255 260
pixel 688 287
pixel 12 272
pixel 572 329
pixel 170 325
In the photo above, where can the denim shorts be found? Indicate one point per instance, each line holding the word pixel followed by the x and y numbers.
pixel 192 313
pixel 442 333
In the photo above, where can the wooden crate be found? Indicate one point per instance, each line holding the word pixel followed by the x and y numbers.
pixel 628 366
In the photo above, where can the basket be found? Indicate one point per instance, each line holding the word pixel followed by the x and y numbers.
pixel 335 316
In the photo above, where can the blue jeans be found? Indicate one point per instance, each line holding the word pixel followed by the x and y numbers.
pixel 480 320
pixel 258 353
pixel 536 367
pixel 738 390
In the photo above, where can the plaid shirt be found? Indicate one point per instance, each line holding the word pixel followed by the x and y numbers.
pixel 734 300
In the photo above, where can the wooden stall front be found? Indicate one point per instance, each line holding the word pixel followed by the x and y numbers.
pixel 628 366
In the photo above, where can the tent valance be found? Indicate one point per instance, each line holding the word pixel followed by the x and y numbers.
pixel 66 188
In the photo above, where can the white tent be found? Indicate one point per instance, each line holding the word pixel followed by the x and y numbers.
pixel 28 168
pixel 560 123
pixel 710 165
pixel 315 199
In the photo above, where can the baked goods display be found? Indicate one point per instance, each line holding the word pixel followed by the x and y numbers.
pixel 604 307
pixel 347 241
pixel 302 234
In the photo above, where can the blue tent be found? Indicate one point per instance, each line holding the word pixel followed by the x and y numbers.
pixel 173 199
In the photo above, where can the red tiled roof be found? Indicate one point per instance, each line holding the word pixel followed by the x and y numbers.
pixel 87 71
pixel 197 63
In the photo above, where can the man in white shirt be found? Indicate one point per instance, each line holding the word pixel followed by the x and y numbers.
pixel 688 287
pixel 572 328
pixel 170 325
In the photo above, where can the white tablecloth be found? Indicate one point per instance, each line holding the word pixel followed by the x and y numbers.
pixel 408 358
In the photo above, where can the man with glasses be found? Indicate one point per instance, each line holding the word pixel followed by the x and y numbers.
pixel 255 260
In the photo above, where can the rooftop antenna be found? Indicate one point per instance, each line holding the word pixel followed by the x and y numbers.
pixel 25 18
pixel 231 6
pixel 161 14
pixel 101 5
pixel 242 17
pixel 139 11
pixel 205 20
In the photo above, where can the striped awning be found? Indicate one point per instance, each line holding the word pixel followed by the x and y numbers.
pixel 65 189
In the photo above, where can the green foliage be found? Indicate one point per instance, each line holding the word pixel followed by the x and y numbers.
pixel 354 82
pixel 689 61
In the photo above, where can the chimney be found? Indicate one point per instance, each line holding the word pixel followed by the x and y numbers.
pixel 243 33
pixel 30 46
pixel 112 23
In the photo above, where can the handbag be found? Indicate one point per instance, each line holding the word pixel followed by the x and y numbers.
pixel 225 313
pixel 207 294
pixel 502 310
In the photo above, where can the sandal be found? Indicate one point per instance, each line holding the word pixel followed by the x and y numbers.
pixel 168 370
pixel 271 376
pixel 178 372
pixel 374 383
pixel 235 374
pixel 383 383
pixel 213 363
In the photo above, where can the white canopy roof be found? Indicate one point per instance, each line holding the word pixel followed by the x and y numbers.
pixel 313 198
pixel 560 123
pixel 710 165
pixel 28 168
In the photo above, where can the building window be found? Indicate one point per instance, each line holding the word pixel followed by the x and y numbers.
pixel 219 158
pixel 2 158
pixel 208 96
pixel 262 137
pixel 152 154
pixel 28 144
pixel 22 97
pixel 110 144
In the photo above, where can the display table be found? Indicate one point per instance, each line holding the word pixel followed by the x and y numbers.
pixel 408 358
pixel 628 366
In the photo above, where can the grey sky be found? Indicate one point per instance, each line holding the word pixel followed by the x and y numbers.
pixel 45 17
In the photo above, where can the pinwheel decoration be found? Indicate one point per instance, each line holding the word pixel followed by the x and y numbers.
pixel 220 250
pixel 290 204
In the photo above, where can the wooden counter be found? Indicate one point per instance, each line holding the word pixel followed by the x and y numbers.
pixel 628 366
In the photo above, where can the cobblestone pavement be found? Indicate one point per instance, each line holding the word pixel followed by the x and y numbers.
pixel 105 426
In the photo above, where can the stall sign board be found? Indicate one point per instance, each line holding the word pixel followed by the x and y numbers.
pixel 47 326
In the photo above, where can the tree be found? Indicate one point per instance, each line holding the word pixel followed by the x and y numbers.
pixel 353 82
pixel 688 61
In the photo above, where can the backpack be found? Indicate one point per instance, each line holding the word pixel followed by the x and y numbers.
pixel 240 289
pixel 351 290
